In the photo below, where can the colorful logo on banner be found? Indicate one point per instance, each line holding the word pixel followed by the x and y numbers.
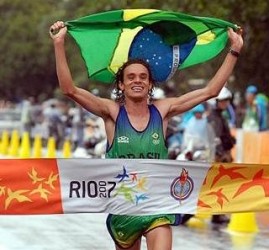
pixel 182 186
pixel 25 186
pixel 131 186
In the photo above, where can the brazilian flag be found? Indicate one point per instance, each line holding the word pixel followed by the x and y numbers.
pixel 167 40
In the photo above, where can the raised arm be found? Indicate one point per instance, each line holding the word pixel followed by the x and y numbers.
pixel 174 106
pixel 104 108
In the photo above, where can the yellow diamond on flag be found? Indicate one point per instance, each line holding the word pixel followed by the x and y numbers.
pixel 205 38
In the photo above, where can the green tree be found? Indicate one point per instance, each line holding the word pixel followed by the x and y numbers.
pixel 26 52
pixel 26 59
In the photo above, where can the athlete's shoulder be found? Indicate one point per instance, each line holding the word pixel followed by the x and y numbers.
pixel 162 106
pixel 112 108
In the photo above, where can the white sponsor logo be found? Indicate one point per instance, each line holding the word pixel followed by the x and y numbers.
pixel 123 139
pixel 155 138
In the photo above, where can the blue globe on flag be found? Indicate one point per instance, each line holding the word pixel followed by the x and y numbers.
pixel 163 58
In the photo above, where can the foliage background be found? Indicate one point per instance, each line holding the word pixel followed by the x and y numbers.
pixel 27 58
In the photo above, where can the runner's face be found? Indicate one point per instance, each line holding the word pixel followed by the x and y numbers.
pixel 136 82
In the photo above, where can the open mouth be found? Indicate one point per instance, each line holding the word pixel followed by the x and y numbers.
pixel 137 88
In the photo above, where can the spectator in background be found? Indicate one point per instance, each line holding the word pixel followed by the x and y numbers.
pixel 53 121
pixel 230 115
pixel 26 114
pixel 263 101
pixel 37 119
pixel 198 137
pixel 225 141
pixel 77 123
pixel 255 118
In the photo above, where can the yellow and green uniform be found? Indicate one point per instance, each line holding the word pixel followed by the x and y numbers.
pixel 130 143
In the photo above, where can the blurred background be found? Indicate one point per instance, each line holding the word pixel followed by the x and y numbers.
pixel 31 101
pixel 27 58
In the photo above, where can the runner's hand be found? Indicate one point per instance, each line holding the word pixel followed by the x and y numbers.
pixel 58 30
pixel 236 39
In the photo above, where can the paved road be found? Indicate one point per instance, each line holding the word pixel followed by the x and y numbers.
pixel 88 231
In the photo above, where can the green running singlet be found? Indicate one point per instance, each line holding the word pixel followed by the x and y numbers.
pixel 130 143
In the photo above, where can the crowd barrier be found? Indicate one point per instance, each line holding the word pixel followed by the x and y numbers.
pixel 251 147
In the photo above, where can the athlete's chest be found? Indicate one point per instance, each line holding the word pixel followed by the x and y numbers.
pixel 139 123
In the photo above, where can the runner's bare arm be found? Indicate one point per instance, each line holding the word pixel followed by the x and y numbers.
pixel 174 106
pixel 104 108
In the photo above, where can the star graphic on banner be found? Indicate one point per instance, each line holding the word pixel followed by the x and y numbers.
pixel 220 195
pixel 133 177
pixel 202 204
pixel 16 195
pixel 230 172
pixel 34 177
pixel 126 192
pixel 52 178
pixel 141 197
pixel 257 180
pixel 42 191
pixel 2 190
pixel 123 175
pixel 141 184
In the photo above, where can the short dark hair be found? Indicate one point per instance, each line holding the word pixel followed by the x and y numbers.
pixel 120 74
